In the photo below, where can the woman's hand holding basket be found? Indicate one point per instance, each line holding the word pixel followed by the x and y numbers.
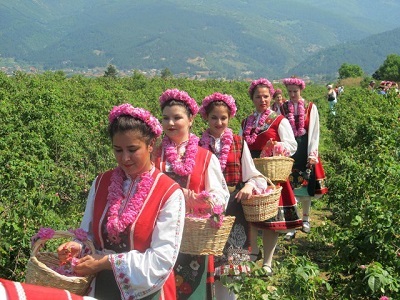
pixel 92 264
pixel 245 193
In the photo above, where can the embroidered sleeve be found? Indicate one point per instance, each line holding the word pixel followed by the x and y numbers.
pixel 141 274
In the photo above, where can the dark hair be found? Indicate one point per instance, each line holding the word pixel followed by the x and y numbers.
pixel 216 103
pixel 277 92
pixel 126 123
pixel 173 102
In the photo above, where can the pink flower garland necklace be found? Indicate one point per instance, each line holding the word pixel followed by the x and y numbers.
pixel 226 141
pixel 300 110
pixel 121 215
pixel 183 166
pixel 251 122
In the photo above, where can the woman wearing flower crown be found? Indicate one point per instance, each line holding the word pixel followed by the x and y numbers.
pixel 134 215
pixel 308 177
pixel 278 101
pixel 242 178
pixel 263 131
pixel 198 172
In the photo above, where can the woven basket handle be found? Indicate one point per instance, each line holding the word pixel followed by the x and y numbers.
pixel 59 234
pixel 268 181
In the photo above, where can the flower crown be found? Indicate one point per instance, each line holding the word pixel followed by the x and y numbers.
pixel 227 99
pixel 175 94
pixel 294 81
pixel 277 92
pixel 137 113
pixel 261 81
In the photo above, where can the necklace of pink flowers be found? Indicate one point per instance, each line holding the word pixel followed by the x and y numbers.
pixel 226 141
pixel 184 165
pixel 300 110
pixel 120 214
pixel 251 122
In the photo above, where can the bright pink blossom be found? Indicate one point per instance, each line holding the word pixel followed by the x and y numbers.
pixel 262 82
pixel 80 234
pixel 218 209
pixel 44 234
pixel 276 150
pixel 227 99
pixel 217 218
pixel 297 130
pixel 252 128
pixel 294 81
pixel 118 220
pixel 175 94
pixel 226 142
pixel 181 166
pixel 137 113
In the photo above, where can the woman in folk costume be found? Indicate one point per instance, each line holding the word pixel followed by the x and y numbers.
pixel 308 176
pixel 242 178
pixel 198 172
pixel 134 214
pixel 278 101
pixel 263 130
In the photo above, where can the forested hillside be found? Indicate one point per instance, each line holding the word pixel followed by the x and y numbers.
pixel 369 53
pixel 232 39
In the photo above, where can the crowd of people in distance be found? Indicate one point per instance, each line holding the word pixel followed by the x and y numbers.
pixel 135 212
pixel 385 87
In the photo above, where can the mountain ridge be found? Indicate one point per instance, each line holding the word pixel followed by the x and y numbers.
pixel 232 39
pixel 358 53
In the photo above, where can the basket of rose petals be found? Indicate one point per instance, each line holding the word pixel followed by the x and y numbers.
pixel 262 207
pixel 206 233
pixel 44 268
pixel 274 163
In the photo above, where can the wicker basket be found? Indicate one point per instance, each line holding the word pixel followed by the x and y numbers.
pixel 276 168
pixel 262 207
pixel 39 270
pixel 200 238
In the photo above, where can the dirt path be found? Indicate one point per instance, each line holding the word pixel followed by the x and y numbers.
pixel 317 251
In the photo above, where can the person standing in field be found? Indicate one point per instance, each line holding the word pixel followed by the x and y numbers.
pixel 134 215
pixel 332 98
pixel 278 101
pixel 263 130
pixel 308 176
pixel 199 174
pixel 242 178
pixel 371 85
